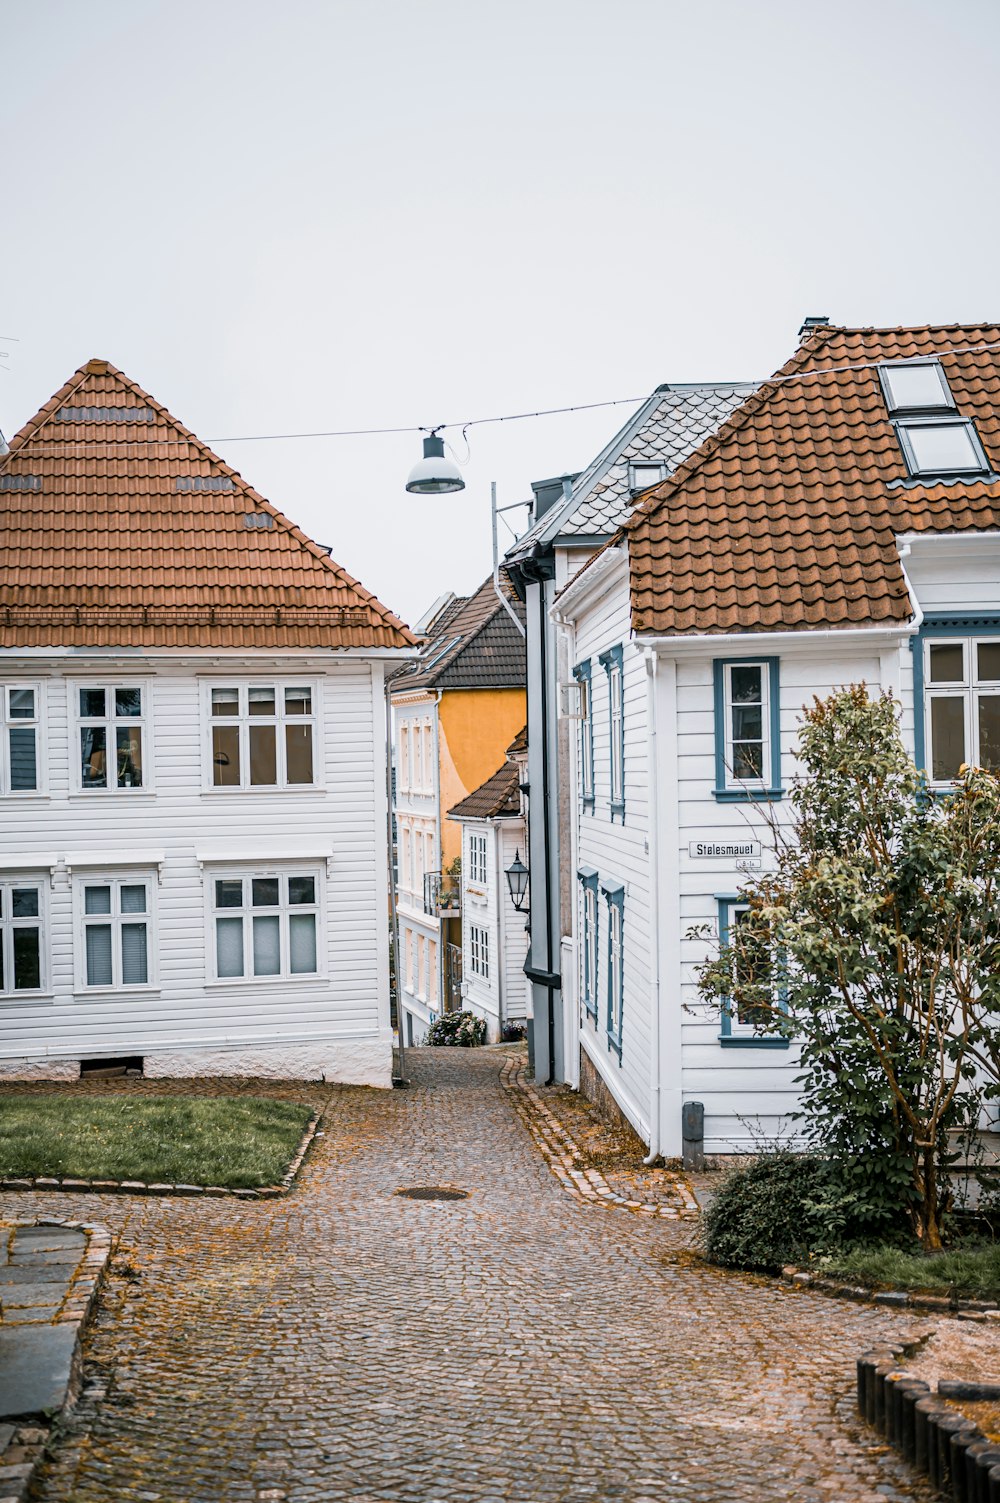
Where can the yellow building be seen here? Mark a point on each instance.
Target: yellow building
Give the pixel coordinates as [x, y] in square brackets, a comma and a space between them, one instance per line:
[455, 712]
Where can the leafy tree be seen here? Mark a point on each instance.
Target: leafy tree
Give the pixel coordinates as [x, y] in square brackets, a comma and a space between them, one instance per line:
[876, 943]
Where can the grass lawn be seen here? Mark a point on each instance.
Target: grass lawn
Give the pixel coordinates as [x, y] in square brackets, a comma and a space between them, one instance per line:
[972, 1272]
[236, 1142]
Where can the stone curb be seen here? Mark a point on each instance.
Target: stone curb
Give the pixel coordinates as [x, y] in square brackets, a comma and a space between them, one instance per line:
[140, 1187]
[566, 1160]
[23, 1450]
[982, 1311]
[935, 1438]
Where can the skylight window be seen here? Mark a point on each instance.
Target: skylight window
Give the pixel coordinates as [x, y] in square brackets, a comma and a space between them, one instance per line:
[942, 448]
[642, 475]
[917, 386]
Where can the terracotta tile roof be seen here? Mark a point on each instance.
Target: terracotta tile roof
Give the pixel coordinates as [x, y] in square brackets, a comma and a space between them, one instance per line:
[118, 527]
[519, 745]
[478, 647]
[787, 517]
[497, 797]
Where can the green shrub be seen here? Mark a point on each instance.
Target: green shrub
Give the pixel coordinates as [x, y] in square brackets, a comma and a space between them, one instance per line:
[762, 1216]
[461, 1029]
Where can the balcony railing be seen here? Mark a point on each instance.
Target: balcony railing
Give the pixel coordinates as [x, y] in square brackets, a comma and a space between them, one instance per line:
[442, 894]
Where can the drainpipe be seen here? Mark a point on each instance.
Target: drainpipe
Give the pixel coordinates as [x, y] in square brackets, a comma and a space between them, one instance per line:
[652, 663]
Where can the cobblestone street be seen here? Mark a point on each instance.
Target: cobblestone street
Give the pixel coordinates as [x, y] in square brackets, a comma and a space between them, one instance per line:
[517, 1345]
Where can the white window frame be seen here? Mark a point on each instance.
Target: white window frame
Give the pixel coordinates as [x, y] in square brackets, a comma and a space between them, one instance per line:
[111, 722]
[8, 924]
[764, 779]
[970, 690]
[9, 723]
[478, 859]
[479, 951]
[244, 720]
[283, 909]
[116, 879]
[404, 757]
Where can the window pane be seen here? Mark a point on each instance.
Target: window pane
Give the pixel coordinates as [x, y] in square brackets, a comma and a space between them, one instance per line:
[262, 700]
[92, 703]
[748, 759]
[299, 753]
[98, 955]
[129, 743]
[225, 701]
[746, 685]
[989, 730]
[226, 756]
[229, 893]
[97, 900]
[27, 960]
[22, 704]
[265, 892]
[266, 947]
[947, 663]
[941, 448]
[23, 762]
[229, 946]
[133, 898]
[134, 971]
[748, 723]
[302, 942]
[298, 701]
[302, 889]
[947, 737]
[128, 701]
[263, 755]
[25, 902]
[93, 766]
[915, 386]
[988, 662]
[645, 474]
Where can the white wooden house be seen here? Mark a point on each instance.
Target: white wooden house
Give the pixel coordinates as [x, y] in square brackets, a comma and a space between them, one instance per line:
[193, 803]
[494, 930]
[573, 516]
[842, 526]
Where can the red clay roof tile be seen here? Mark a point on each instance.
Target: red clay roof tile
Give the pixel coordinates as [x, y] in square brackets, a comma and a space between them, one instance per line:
[110, 551]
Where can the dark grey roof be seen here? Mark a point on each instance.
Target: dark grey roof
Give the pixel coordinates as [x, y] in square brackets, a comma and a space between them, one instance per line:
[500, 795]
[669, 426]
[475, 647]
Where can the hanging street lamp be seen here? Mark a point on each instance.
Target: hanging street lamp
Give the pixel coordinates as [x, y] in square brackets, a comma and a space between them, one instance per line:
[517, 881]
[434, 475]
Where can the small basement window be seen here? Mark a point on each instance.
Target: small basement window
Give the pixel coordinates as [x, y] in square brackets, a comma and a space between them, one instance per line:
[945, 447]
[915, 386]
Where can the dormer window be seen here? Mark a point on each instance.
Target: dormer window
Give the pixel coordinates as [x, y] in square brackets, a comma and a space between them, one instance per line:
[916, 386]
[643, 474]
[941, 447]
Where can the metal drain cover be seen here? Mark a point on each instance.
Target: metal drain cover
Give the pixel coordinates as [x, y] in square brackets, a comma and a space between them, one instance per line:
[432, 1192]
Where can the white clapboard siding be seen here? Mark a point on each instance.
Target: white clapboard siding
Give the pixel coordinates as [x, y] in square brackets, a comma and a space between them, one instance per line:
[481, 994]
[618, 852]
[511, 836]
[335, 830]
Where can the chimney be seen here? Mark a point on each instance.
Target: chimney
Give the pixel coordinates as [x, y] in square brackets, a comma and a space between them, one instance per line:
[810, 322]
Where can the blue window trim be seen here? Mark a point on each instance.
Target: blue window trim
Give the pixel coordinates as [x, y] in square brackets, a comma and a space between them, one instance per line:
[588, 881]
[727, 1038]
[582, 675]
[985, 624]
[615, 658]
[614, 893]
[727, 795]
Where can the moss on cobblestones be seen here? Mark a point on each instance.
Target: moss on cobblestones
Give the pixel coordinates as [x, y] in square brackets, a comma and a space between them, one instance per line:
[234, 1142]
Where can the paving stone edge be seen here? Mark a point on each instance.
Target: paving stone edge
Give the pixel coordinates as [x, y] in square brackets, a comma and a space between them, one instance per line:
[565, 1158]
[29, 1440]
[894, 1299]
[141, 1187]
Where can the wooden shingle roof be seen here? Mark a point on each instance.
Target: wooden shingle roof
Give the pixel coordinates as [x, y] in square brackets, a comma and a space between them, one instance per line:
[119, 527]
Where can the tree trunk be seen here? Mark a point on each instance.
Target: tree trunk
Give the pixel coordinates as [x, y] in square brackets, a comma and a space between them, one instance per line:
[930, 1231]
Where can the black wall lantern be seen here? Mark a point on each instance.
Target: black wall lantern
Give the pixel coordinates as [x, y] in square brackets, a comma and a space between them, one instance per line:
[517, 881]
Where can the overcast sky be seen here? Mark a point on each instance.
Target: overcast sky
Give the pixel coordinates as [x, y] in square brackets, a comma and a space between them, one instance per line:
[350, 214]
